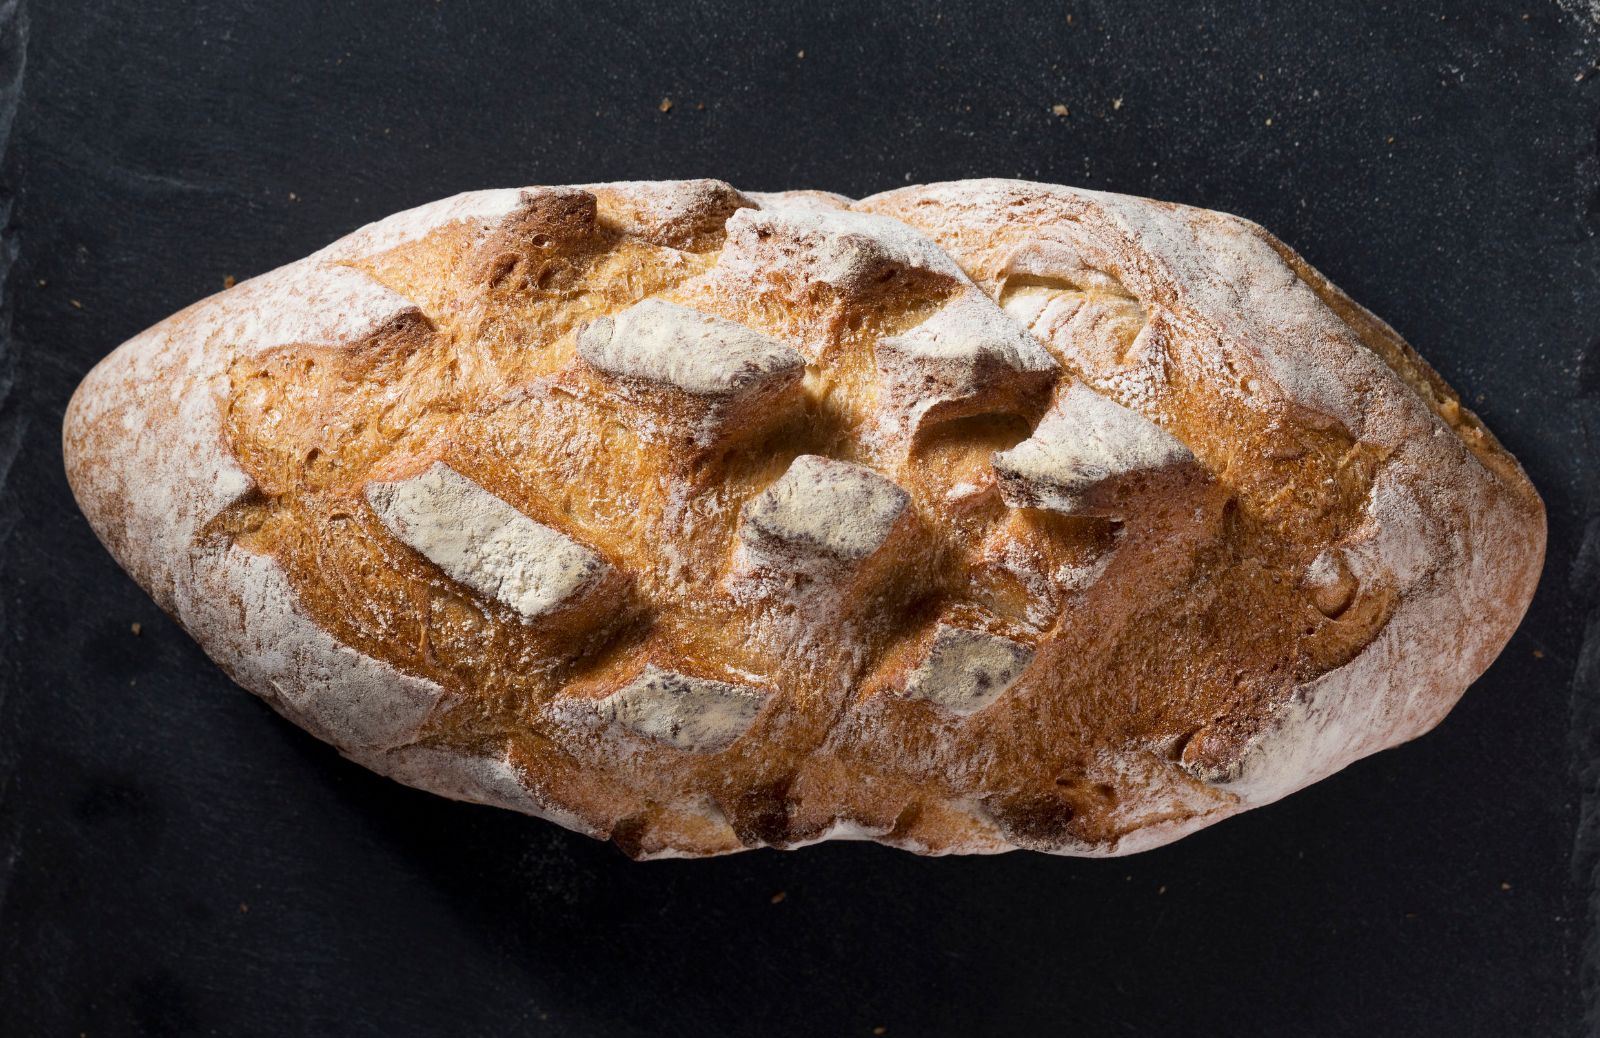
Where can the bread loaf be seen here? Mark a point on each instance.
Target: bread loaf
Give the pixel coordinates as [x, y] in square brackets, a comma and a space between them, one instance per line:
[965, 517]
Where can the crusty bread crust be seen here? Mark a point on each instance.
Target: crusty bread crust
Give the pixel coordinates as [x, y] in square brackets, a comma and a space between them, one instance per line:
[965, 517]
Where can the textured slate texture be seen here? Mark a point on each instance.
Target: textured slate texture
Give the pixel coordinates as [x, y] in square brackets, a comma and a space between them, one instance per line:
[174, 859]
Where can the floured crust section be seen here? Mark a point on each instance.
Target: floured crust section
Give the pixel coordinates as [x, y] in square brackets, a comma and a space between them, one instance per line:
[696, 715]
[858, 256]
[482, 542]
[1082, 454]
[822, 509]
[967, 670]
[964, 518]
[697, 353]
[697, 376]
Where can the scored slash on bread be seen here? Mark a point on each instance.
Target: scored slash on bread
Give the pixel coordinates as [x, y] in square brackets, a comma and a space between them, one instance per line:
[966, 670]
[824, 511]
[966, 359]
[482, 542]
[1085, 456]
[966, 517]
[698, 715]
[729, 377]
[856, 257]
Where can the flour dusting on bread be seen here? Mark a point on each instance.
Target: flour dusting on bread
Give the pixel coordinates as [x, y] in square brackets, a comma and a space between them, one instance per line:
[484, 543]
[698, 715]
[700, 354]
[966, 517]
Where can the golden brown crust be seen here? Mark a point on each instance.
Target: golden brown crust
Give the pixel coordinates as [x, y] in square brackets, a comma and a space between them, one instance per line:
[1091, 520]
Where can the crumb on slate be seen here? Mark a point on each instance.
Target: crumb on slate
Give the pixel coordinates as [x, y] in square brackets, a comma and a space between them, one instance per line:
[1059, 109]
[666, 104]
[779, 896]
[136, 627]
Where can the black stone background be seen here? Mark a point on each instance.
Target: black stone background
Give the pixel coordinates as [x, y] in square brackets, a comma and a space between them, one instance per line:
[175, 859]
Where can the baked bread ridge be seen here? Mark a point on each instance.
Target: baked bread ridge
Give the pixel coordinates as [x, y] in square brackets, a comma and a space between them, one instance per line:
[1231, 385]
[1267, 310]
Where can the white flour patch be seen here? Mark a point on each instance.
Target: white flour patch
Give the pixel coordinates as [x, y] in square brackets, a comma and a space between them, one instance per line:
[824, 507]
[967, 670]
[1084, 440]
[696, 715]
[698, 353]
[484, 543]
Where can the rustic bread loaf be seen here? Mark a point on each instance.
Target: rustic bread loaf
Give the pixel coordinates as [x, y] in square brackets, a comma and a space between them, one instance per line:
[965, 517]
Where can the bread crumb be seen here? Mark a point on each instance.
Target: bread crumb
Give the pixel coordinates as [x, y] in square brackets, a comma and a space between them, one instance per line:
[75, 304]
[293, 197]
[1269, 122]
[666, 104]
[1059, 109]
[1505, 886]
[244, 909]
[135, 627]
[880, 1030]
[699, 106]
[779, 896]
[228, 282]
[40, 283]
[800, 55]
[1161, 889]
[1538, 654]
[1116, 103]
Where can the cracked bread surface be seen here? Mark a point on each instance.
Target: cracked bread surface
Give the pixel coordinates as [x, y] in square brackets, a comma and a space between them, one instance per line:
[965, 517]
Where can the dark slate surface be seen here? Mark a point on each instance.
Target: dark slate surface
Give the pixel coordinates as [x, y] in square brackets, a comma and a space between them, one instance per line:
[174, 859]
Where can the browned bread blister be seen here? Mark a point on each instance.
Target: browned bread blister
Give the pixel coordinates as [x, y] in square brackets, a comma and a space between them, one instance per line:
[965, 517]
